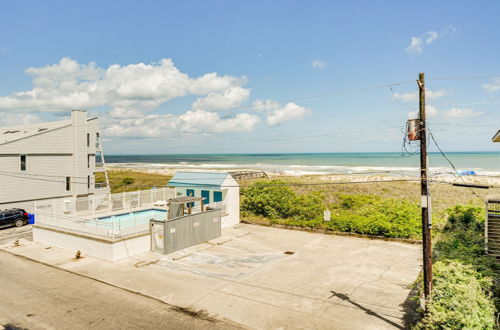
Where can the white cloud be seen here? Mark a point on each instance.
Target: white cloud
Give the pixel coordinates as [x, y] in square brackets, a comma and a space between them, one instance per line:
[265, 105]
[451, 114]
[150, 126]
[126, 89]
[318, 64]
[433, 35]
[210, 122]
[457, 113]
[429, 94]
[493, 87]
[8, 118]
[125, 98]
[405, 97]
[230, 98]
[191, 122]
[430, 110]
[417, 44]
[278, 114]
[290, 112]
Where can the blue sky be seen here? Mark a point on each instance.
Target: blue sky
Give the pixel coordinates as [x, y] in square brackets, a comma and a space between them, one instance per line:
[228, 76]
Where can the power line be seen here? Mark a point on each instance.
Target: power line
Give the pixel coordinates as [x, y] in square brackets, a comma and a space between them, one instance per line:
[465, 77]
[453, 166]
[260, 185]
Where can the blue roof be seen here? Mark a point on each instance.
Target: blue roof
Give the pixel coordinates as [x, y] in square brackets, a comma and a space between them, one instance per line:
[194, 179]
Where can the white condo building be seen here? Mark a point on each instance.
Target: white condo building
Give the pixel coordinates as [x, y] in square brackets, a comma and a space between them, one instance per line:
[51, 160]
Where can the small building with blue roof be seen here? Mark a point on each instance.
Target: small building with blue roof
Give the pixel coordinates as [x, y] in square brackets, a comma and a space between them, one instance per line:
[219, 190]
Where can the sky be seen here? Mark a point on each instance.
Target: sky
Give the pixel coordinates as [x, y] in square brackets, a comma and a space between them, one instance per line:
[254, 76]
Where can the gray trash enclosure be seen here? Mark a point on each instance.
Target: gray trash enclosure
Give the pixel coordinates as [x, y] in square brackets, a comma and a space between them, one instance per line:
[175, 234]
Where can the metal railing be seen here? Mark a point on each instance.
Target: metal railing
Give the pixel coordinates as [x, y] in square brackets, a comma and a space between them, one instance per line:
[99, 185]
[208, 207]
[108, 229]
[106, 203]
[81, 215]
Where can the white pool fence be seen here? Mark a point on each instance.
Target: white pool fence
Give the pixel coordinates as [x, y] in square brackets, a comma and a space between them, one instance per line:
[106, 203]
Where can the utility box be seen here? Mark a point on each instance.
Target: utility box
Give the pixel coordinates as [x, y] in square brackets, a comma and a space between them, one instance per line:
[413, 129]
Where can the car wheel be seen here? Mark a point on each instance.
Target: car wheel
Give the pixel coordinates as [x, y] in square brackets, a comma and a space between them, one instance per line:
[19, 223]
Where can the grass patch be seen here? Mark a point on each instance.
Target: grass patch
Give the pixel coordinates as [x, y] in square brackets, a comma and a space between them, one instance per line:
[127, 180]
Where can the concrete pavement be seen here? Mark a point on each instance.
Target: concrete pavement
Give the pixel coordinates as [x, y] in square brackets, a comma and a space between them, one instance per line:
[267, 278]
[36, 296]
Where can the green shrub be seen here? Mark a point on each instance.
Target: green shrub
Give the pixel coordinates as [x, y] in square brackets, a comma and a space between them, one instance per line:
[462, 295]
[375, 215]
[363, 214]
[460, 299]
[127, 181]
[273, 200]
[465, 217]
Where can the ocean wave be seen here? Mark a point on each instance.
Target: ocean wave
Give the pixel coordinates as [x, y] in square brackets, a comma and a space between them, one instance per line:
[299, 170]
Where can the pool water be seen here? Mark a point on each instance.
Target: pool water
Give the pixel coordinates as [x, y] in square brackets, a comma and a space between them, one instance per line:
[138, 216]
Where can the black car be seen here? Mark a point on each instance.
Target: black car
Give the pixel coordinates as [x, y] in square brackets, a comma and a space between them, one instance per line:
[13, 217]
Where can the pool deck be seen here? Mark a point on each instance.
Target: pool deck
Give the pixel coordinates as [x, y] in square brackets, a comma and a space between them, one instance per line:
[265, 278]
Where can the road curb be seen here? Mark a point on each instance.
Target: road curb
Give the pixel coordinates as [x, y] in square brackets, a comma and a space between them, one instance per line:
[336, 233]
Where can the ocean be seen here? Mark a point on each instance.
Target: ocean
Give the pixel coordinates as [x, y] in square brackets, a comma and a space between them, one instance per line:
[483, 163]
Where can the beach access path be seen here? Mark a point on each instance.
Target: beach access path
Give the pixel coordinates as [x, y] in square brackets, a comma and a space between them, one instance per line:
[261, 278]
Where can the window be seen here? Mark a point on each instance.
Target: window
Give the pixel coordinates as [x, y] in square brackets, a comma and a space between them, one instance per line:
[206, 195]
[68, 183]
[97, 140]
[217, 196]
[88, 181]
[88, 139]
[23, 162]
[88, 161]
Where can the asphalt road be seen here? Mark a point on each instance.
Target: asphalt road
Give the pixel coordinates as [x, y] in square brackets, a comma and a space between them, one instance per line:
[12, 233]
[35, 296]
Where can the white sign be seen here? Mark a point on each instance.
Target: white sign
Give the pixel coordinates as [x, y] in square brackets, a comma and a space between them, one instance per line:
[326, 215]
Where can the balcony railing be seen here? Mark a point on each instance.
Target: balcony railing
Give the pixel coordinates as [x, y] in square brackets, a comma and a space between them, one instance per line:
[99, 185]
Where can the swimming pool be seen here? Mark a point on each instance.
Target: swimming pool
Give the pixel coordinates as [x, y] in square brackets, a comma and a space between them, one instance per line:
[137, 216]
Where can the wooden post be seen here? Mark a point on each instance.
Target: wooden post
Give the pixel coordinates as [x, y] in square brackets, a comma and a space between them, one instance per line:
[425, 193]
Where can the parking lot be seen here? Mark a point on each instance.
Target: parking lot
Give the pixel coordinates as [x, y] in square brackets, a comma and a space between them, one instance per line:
[267, 278]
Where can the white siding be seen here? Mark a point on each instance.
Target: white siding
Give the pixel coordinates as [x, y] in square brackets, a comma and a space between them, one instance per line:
[58, 140]
[232, 199]
[51, 156]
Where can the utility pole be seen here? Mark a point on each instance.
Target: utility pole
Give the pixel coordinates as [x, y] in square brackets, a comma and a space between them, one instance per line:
[425, 192]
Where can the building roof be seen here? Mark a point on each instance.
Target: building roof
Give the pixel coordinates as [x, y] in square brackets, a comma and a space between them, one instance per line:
[496, 138]
[13, 133]
[211, 180]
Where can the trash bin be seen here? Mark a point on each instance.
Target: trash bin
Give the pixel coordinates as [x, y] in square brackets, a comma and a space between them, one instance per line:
[31, 218]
